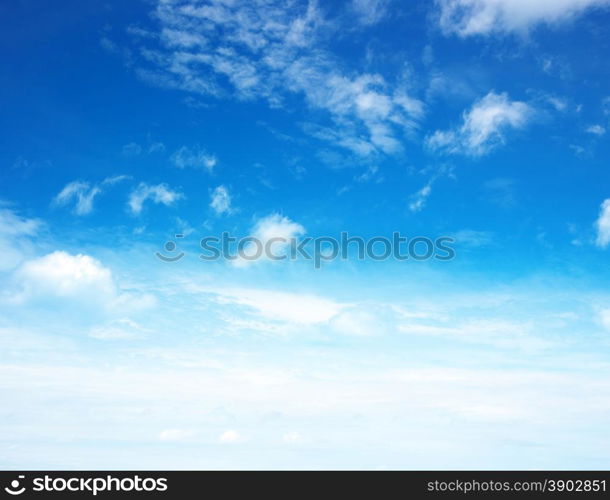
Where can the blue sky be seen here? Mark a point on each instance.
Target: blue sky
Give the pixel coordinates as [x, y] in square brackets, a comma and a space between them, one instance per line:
[126, 124]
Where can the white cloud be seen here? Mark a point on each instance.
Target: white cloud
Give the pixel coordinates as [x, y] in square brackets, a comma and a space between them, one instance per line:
[596, 130]
[273, 49]
[484, 126]
[83, 194]
[132, 149]
[13, 225]
[156, 147]
[74, 278]
[603, 316]
[175, 435]
[356, 322]
[229, 436]
[110, 181]
[135, 149]
[159, 193]
[496, 332]
[221, 200]
[285, 307]
[193, 158]
[273, 231]
[602, 224]
[418, 200]
[120, 329]
[15, 234]
[371, 174]
[276, 226]
[578, 150]
[65, 275]
[481, 17]
[472, 238]
[370, 11]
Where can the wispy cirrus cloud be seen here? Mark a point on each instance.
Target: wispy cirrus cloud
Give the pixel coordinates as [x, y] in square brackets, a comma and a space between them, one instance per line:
[83, 194]
[159, 194]
[271, 50]
[15, 234]
[280, 306]
[193, 158]
[482, 17]
[602, 225]
[417, 200]
[484, 126]
[370, 11]
[132, 149]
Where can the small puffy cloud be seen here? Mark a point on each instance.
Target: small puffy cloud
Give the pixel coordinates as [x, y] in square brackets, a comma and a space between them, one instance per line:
[277, 226]
[229, 437]
[275, 231]
[172, 435]
[596, 130]
[73, 278]
[159, 194]
[557, 103]
[221, 200]
[64, 275]
[484, 126]
[602, 225]
[482, 17]
[193, 158]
